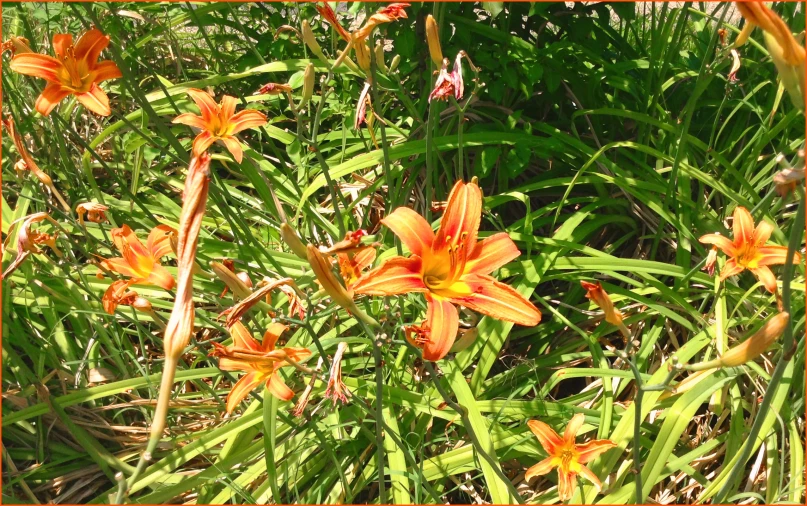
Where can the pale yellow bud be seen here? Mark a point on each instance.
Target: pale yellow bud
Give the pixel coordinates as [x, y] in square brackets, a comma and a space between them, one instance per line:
[751, 348]
[231, 279]
[308, 84]
[290, 237]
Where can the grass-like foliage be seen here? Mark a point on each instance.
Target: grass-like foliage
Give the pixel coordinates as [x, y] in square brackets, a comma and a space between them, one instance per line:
[392, 253]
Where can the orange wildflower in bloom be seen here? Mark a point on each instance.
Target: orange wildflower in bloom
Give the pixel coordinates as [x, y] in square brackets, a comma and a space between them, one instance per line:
[142, 263]
[600, 297]
[261, 362]
[388, 14]
[758, 14]
[450, 267]
[748, 249]
[95, 212]
[219, 122]
[75, 71]
[566, 455]
[119, 293]
[330, 16]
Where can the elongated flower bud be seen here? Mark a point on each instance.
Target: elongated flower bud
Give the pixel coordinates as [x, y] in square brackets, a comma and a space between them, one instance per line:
[751, 348]
[311, 41]
[601, 298]
[322, 269]
[290, 237]
[231, 279]
[362, 54]
[379, 58]
[394, 63]
[308, 84]
[433, 38]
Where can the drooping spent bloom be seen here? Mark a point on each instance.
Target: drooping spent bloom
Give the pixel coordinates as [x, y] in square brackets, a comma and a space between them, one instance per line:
[16, 45]
[566, 455]
[27, 162]
[261, 362]
[361, 106]
[388, 14]
[119, 293]
[74, 71]
[96, 213]
[219, 123]
[142, 263]
[336, 389]
[748, 250]
[29, 241]
[450, 267]
[735, 66]
[449, 83]
[595, 293]
[711, 260]
[330, 16]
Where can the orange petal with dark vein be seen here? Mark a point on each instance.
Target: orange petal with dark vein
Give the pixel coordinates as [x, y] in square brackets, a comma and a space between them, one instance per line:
[593, 449]
[50, 98]
[242, 338]
[546, 435]
[396, 276]
[498, 300]
[460, 223]
[412, 229]
[743, 226]
[725, 244]
[442, 320]
[491, 253]
[95, 100]
[242, 388]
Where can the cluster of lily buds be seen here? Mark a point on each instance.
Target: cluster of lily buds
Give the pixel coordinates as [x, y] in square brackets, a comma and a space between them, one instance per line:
[27, 162]
[96, 213]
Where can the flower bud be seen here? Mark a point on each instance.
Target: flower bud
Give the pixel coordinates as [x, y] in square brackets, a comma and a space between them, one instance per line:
[433, 38]
[362, 54]
[394, 63]
[379, 58]
[322, 269]
[290, 237]
[308, 85]
[751, 348]
[601, 298]
[231, 279]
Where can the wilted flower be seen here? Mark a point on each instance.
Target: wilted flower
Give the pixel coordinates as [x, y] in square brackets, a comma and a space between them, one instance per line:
[239, 283]
[336, 389]
[142, 263]
[786, 180]
[274, 89]
[735, 66]
[450, 268]
[261, 362]
[119, 293]
[96, 213]
[449, 83]
[75, 71]
[566, 455]
[711, 259]
[29, 241]
[748, 249]
[361, 106]
[219, 122]
[330, 16]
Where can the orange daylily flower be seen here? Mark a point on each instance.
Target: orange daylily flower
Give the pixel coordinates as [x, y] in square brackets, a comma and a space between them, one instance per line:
[75, 71]
[219, 122]
[600, 297]
[566, 455]
[261, 362]
[142, 263]
[388, 14]
[450, 267]
[330, 16]
[119, 293]
[748, 249]
[758, 14]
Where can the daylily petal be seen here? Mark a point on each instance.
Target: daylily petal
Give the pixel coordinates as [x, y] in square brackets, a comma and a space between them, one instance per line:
[246, 119]
[242, 338]
[95, 100]
[296, 354]
[121, 266]
[227, 107]
[460, 223]
[234, 147]
[191, 120]
[364, 258]
[772, 255]
[397, 275]
[412, 229]
[37, 65]
[539, 469]
[766, 277]
[242, 388]
[90, 45]
[159, 241]
[278, 388]
[573, 427]
[566, 482]
[125, 239]
[496, 299]
[161, 277]
[272, 334]
[546, 435]
[743, 227]
[61, 41]
[762, 233]
[731, 268]
[205, 103]
[442, 319]
[725, 244]
[202, 142]
[593, 449]
[50, 98]
[590, 476]
[491, 253]
[106, 70]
